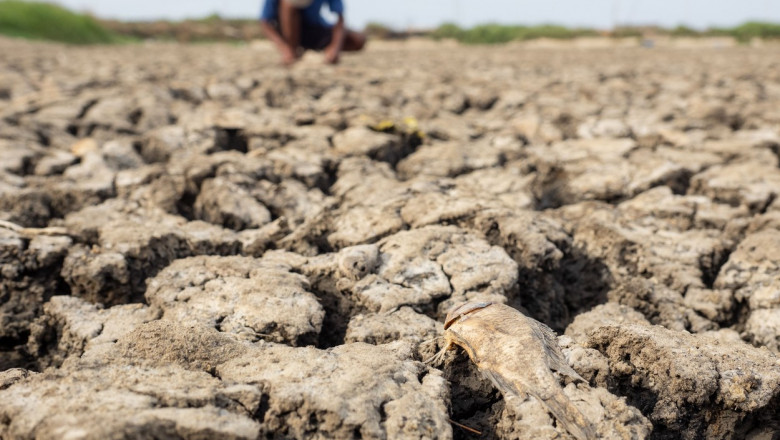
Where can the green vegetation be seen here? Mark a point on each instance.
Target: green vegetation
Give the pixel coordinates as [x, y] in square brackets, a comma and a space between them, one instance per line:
[627, 32]
[496, 33]
[448, 30]
[683, 31]
[748, 31]
[50, 22]
[213, 18]
[216, 19]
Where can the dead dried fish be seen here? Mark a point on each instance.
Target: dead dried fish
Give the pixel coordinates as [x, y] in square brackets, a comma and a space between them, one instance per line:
[518, 354]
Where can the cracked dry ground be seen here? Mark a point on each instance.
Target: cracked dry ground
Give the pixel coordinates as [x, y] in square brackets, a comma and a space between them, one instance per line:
[235, 250]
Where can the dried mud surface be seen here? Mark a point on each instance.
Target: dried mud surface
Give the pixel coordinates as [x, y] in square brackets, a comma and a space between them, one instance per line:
[201, 244]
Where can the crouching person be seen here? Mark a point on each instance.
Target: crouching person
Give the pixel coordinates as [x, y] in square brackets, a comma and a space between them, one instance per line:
[298, 25]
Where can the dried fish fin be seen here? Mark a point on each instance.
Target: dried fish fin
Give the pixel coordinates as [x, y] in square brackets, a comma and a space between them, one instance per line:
[569, 416]
[555, 359]
[437, 359]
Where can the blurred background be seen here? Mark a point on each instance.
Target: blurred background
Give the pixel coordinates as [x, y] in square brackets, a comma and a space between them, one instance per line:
[471, 21]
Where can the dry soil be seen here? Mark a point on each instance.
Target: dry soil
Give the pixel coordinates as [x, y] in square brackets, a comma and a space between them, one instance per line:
[199, 243]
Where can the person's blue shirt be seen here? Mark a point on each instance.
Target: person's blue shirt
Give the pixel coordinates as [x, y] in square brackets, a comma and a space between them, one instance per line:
[311, 14]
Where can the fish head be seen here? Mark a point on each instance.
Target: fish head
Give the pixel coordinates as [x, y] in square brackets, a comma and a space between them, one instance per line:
[462, 311]
[455, 334]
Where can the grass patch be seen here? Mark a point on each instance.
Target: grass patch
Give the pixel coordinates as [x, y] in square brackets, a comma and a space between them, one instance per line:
[751, 30]
[684, 31]
[44, 21]
[497, 34]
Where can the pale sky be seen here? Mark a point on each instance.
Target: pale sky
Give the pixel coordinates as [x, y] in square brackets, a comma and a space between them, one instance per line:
[403, 14]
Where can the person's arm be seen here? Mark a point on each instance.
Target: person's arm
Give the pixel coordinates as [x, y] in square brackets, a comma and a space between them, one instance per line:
[333, 51]
[288, 53]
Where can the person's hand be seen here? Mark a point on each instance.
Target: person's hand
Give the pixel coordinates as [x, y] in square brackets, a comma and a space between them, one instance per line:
[288, 56]
[332, 55]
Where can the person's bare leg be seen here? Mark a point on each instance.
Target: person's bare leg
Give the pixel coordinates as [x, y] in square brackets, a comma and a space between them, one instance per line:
[290, 24]
[354, 41]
